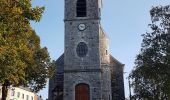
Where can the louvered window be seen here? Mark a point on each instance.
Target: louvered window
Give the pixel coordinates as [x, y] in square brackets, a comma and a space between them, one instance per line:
[81, 8]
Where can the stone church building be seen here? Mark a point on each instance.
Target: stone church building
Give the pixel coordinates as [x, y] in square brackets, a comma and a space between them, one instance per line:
[86, 70]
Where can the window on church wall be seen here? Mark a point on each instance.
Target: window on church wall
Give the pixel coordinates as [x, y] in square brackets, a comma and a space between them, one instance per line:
[106, 52]
[81, 8]
[82, 49]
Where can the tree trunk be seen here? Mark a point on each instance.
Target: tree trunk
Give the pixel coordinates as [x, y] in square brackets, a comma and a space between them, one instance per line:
[4, 92]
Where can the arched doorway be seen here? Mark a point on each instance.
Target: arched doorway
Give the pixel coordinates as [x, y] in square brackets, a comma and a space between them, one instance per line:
[82, 92]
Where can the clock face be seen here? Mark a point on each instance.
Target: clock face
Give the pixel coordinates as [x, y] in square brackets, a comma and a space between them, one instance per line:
[82, 27]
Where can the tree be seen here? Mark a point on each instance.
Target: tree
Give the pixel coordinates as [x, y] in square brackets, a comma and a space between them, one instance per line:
[22, 60]
[151, 74]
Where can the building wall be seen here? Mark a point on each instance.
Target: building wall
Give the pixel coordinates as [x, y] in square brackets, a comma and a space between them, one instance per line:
[92, 69]
[93, 11]
[73, 36]
[56, 82]
[82, 69]
[117, 82]
[90, 78]
[105, 62]
[15, 93]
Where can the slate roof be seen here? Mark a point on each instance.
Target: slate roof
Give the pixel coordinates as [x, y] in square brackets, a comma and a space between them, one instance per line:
[114, 60]
[60, 60]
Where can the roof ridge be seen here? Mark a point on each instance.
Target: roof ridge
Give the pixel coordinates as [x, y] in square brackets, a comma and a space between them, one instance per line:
[116, 60]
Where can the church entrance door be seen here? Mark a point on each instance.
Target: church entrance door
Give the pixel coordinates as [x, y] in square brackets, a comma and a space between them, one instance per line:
[82, 92]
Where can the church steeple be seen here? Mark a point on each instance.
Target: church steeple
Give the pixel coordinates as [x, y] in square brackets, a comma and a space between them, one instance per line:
[82, 65]
[82, 9]
[84, 71]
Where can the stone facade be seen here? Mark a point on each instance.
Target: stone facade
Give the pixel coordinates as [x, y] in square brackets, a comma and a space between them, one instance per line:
[117, 82]
[91, 63]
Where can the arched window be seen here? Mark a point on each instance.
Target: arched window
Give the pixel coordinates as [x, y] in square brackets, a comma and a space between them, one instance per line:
[82, 92]
[81, 8]
[82, 49]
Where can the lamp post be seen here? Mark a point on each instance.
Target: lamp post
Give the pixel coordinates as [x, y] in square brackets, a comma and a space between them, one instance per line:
[130, 95]
[5, 89]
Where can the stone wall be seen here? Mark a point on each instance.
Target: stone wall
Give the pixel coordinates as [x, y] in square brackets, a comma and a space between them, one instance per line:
[56, 82]
[117, 80]
[90, 78]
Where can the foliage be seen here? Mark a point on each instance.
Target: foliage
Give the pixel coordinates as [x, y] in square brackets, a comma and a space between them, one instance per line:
[151, 74]
[22, 60]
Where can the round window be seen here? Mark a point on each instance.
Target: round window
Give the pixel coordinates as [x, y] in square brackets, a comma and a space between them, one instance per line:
[82, 49]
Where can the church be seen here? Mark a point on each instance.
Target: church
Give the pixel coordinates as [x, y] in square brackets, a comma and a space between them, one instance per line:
[86, 70]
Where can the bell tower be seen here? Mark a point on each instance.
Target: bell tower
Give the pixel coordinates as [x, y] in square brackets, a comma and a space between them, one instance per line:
[82, 55]
[82, 9]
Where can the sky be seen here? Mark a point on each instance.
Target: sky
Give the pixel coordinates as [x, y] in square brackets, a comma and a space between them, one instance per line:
[123, 20]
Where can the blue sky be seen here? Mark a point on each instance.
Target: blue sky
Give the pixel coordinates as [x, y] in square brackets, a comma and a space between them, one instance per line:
[123, 20]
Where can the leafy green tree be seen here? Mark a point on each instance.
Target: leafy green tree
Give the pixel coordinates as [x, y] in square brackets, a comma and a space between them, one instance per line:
[151, 74]
[22, 60]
